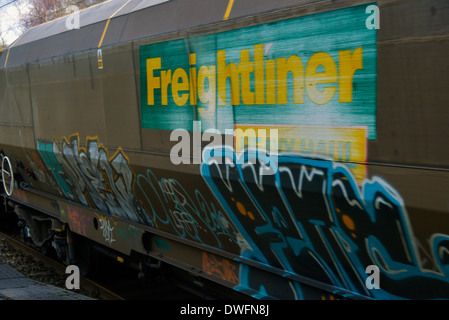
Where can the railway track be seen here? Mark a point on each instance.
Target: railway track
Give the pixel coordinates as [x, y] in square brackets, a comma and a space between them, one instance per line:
[89, 287]
[116, 281]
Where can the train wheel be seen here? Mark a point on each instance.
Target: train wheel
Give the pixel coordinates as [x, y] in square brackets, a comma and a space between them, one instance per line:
[7, 176]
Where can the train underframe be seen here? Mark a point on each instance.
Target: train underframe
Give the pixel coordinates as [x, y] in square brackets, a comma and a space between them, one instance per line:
[205, 272]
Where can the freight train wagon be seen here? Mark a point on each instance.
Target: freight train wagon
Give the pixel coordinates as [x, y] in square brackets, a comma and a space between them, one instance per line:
[292, 149]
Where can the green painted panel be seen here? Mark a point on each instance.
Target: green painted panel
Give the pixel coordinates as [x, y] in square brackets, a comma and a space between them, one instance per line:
[312, 70]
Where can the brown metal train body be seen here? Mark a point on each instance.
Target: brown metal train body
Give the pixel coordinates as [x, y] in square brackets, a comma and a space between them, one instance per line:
[101, 124]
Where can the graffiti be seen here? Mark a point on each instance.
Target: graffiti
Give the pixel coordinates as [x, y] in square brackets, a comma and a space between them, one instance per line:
[221, 267]
[107, 229]
[78, 222]
[89, 176]
[39, 170]
[46, 151]
[317, 222]
[172, 209]
[312, 219]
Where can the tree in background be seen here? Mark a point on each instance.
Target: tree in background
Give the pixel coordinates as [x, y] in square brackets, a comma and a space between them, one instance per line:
[42, 11]
[10, 26]
[16, 16]
[2, 43]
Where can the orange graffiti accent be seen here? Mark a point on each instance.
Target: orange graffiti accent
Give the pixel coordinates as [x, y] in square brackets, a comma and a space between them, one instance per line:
[330, 297]
[349, 223]
[78, 221]
[221, 267]
[242, 210]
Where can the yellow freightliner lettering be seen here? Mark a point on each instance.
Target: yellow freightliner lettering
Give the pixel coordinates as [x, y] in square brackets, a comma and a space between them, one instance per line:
[255, 81]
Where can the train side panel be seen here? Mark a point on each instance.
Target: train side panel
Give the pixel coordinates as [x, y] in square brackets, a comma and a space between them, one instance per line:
[352, 117]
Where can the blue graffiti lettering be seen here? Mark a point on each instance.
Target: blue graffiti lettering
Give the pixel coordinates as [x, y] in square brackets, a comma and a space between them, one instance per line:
[312, 219]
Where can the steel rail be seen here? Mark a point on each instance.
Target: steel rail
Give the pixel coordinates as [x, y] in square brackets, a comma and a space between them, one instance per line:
[92, 287]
